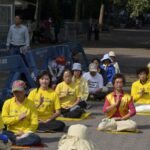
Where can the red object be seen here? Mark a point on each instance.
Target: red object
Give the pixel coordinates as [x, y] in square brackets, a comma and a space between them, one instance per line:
[60, 60]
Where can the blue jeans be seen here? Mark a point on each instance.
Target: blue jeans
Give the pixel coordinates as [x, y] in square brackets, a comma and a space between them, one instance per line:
[31, 140]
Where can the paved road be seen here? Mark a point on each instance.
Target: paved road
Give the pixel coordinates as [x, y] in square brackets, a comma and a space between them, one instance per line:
[107, 141]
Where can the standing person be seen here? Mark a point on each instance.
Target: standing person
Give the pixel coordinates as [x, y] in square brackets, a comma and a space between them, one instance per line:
[70, 97]
[47, 104]
[18, 37]
[141, 90]
[20, 116]
[95, 82]
[81, 82]
[119, 108]
[112, 55]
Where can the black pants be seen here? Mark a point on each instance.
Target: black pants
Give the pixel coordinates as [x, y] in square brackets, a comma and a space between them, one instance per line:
[76, 113]
[31, 140]
[53, 125]
[97, 96]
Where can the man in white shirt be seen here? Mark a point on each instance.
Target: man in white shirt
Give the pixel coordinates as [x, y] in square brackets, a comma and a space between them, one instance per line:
[95, 82]
[18, 37]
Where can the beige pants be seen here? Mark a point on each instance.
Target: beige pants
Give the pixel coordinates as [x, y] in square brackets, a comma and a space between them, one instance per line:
[126, 125]
[112, 125]
[4, 146]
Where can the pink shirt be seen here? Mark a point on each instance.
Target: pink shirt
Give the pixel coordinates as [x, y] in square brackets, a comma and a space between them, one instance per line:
[131, 107]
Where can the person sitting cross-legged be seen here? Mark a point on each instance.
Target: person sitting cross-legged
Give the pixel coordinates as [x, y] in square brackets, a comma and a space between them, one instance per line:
[119, 108]
[81, 82]
[47, 104]
[20, 116]
[70, 97]
[97, 91]
[141, 91]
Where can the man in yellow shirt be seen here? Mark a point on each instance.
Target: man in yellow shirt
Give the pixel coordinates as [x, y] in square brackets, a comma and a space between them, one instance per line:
[141, 90]
[69, 96]
[20, 116]
[47, 104]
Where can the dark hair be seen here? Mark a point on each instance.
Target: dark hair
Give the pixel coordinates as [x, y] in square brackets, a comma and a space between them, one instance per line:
[143, 69]
[41, 74]
[68, 70]
[20, 16]
[119, 76]
[96, 59]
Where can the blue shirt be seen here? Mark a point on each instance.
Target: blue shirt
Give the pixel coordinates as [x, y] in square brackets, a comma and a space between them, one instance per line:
[18, 35]
[110, 72]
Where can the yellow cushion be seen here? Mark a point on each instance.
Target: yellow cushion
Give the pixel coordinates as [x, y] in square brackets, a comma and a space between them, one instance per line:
[84, 116]
[143, 113]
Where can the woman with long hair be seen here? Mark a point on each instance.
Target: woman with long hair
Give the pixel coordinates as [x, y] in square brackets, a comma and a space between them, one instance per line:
[47, 104]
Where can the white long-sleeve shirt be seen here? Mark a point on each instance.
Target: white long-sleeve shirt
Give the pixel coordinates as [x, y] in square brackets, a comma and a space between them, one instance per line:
[18, 35]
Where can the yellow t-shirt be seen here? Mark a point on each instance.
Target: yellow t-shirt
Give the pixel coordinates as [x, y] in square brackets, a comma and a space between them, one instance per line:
[1, 123]
[135, 92]
[73, 93]
[83, 87]
[50, 103]
[11, 112]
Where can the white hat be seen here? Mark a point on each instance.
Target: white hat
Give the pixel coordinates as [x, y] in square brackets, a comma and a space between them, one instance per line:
[78, 130]
[111, 53]
[93, 67]
[76, 66]
[105, 57]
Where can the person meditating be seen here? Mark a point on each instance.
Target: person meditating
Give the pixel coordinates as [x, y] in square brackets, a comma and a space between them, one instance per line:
[70, 97]
[119, 108]
[20, 116]
[47, 104]
[141, 90]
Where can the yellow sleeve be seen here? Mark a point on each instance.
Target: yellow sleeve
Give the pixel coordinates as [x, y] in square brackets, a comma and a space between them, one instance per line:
[78, 92]
[33, 119]
[57, 90]
[6, 116]
[134, 93]
[31, 95]
[57, 102]
[85, 92]
[1, 123]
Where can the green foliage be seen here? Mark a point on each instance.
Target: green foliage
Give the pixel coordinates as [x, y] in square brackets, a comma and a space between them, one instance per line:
[134, 7]
[137, 7]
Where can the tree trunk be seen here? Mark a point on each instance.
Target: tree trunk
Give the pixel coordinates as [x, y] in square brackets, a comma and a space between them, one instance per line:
[101, 15]
[77, 10]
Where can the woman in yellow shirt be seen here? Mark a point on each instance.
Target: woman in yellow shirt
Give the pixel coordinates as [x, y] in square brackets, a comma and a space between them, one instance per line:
[47, 104]
[70, 97]
[81, 82]
[141, 91]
